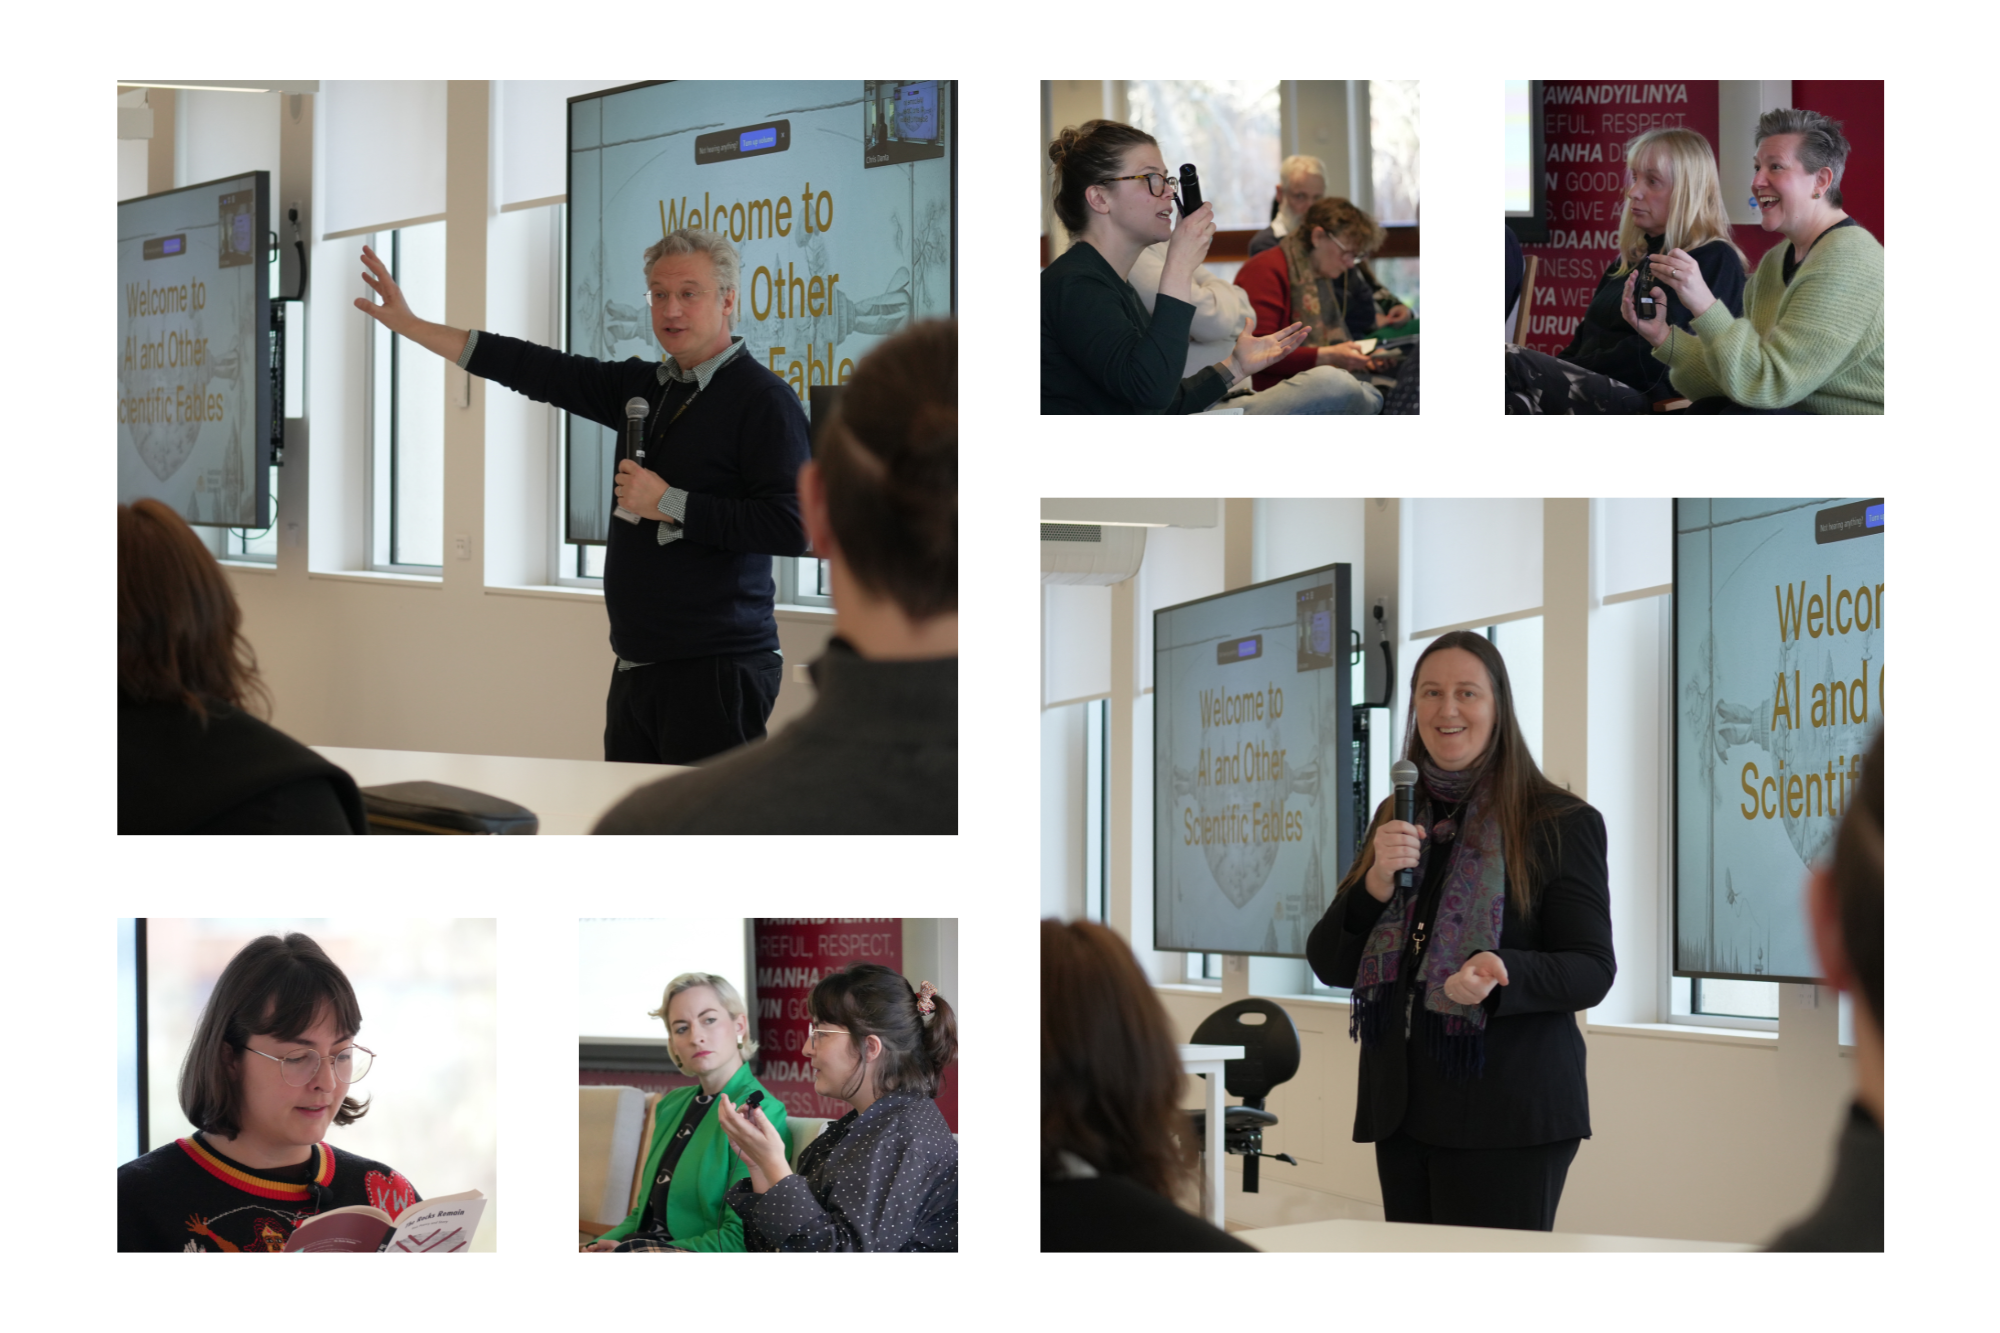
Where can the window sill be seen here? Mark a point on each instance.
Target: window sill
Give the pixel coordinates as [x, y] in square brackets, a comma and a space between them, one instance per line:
[379, 577]
[805, 615]
[555, 592]
[1188, 987]
[248, 566]
[1688, 1032]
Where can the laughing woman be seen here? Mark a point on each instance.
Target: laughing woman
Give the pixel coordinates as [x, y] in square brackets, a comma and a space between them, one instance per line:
[269, 1069]
[1101, 351]
[690, 1167]
[1811, 338]
[885, 1175]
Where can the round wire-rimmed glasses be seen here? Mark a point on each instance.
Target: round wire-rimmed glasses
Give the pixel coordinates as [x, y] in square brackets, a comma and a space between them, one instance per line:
[814, 1033]
[350, 1065]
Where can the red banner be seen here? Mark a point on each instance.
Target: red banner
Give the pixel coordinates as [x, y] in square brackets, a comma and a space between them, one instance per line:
[793, 953]
[1585, 127]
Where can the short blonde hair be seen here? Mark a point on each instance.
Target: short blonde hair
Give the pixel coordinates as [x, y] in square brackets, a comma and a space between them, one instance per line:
[731, 1002]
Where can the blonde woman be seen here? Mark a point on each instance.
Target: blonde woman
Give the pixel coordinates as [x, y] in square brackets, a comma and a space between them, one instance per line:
[1673, 206]
[688, 1165]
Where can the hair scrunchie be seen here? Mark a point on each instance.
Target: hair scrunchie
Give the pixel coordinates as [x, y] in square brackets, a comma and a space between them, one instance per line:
[924, 1002]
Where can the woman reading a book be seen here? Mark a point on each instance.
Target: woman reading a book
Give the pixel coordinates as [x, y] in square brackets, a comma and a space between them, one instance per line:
[885, 1175]
[689, 1166]
[270, 1067]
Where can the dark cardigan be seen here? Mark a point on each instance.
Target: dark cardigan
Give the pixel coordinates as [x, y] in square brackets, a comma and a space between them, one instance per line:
[1101, 351]
[1605, 343]
[1558, 961]
[234, 775]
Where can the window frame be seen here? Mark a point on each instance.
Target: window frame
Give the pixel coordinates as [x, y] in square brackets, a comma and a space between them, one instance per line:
[373, 454]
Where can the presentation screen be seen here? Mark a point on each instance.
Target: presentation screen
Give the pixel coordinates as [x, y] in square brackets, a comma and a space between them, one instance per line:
[1253, 759]
[1777, 692]
[1527, 211]
[840, 200]
[194, 326]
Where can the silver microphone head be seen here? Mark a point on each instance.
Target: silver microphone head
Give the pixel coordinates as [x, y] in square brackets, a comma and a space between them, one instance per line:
[636, 409]
[1403, 773]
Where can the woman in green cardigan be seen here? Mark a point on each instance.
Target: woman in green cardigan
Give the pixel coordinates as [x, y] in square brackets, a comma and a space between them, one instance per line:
[689, 1166]
[1810, 340]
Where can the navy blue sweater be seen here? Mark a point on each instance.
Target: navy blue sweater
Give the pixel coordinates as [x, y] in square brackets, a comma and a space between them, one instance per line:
[736, 451]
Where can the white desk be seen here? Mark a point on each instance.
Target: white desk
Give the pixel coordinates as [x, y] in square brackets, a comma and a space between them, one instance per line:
[1355, 1236]
[567, 795]
[1208, 1060]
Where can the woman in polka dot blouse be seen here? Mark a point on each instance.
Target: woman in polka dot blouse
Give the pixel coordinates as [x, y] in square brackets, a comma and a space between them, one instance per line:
[885, 1175]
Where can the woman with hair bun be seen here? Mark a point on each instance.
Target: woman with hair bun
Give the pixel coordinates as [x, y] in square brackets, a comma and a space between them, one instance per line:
[885, 1175]
[1101, 351]
[878, 752]
[689, 1166]
[1466, 981]
[1673, 206]
[192, 756]
[1812, 339]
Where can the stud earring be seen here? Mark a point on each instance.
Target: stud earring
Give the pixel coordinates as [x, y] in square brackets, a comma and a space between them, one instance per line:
[1815, 194]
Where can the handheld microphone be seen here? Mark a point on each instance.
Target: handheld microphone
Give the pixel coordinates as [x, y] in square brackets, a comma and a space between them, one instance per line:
[1190, 189]
[1404, 774]
[635, 444]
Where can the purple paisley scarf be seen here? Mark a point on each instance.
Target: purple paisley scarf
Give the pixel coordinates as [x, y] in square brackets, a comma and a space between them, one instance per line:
[1470, 904]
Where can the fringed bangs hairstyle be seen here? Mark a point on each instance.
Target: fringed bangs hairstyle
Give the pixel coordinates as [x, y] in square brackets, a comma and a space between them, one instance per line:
[732, 1004]
[889, 455]
[1527, 803]
[870, 1000]
[1695, 214]
[1111, 1078]
[179, 629]
[1857, 879]
[272, 987]
[1085, 156]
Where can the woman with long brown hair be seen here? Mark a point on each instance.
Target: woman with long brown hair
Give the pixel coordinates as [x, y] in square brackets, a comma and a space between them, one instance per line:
[1117, 1150]
[192, 758]
[1466, 980]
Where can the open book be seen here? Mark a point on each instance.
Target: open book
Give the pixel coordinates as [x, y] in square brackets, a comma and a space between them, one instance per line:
[434, 1226]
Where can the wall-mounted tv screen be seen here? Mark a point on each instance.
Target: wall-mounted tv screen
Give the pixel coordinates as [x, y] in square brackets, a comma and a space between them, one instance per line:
[838, 196]
[194, 323]
[1253, 763]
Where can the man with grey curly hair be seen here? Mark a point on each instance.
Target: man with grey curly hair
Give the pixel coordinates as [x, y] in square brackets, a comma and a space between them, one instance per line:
[687, 578]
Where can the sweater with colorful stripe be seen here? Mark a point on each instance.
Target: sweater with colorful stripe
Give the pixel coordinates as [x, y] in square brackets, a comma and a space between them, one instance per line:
[185, 1196]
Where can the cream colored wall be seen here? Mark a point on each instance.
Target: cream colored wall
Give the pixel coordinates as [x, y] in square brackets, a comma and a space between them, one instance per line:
[452, 663]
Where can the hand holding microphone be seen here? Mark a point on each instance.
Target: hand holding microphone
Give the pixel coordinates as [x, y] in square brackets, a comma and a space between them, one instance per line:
[636, 410]
[1398, 841]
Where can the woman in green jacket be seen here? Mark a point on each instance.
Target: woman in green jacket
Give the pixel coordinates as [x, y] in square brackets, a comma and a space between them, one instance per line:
[689, 1166]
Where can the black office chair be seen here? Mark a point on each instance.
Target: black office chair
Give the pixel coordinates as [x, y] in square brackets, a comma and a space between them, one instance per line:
[1270, 1042]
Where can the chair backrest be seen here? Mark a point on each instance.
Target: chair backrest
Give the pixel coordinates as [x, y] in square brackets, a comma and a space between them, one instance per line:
[1525, 309]
[611, 1123]
[802, 1129]
[1270, 1042]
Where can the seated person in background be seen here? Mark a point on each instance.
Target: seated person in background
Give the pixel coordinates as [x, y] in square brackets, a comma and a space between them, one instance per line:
[191, 758]
[689, 1166]
[885, 1175]
[1673, 216]
[1222, 313]
[1314, 277]
[878, 751]
[1844, 900]
[1102, 351]
[1118, 1153]
[1301, 184]
[1813, 341]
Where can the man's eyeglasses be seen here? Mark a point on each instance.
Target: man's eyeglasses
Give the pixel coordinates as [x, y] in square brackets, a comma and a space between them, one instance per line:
[349, 1065]
[686, 296]
[1155, 182]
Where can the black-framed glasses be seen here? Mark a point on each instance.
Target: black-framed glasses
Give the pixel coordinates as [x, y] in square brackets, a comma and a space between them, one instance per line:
[350, 1065]
[1155, 182]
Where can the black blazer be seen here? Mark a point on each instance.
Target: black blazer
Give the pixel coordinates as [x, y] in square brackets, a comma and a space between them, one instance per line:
[1558, 961]
[1109, 1214]
[235, 775]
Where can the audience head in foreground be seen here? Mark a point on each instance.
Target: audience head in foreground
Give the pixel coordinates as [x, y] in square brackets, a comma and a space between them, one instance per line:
[271, 1067]
[689, 1166]
[1845, 906]
[192, 757]
[878, 752]
[885, 1175]
[1117, 1150]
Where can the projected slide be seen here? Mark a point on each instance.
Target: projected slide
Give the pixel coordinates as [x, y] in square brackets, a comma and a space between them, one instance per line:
[837, 196]
[1252, 737]
[1778, 609]
[193, 312]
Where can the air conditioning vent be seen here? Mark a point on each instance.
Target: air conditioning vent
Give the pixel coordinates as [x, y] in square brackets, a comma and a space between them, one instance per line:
[1072, 532]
